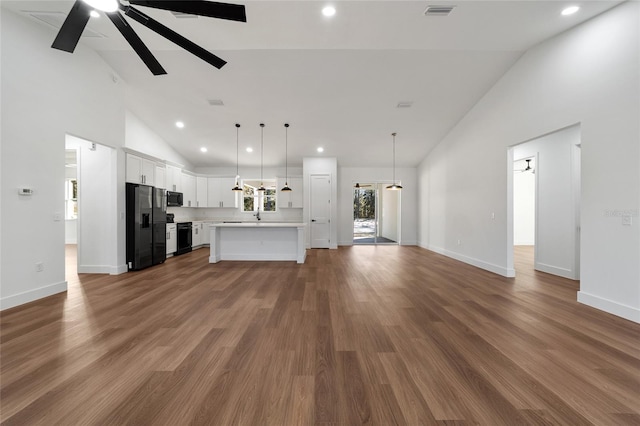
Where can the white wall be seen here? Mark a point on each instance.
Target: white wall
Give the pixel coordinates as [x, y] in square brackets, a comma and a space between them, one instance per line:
[47, 94]
[406, 176]
[139, 137]
[588, 75]
[556, 249]
[524, 204]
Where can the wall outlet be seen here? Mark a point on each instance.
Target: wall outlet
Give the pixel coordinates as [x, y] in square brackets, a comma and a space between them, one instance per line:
[39, 266]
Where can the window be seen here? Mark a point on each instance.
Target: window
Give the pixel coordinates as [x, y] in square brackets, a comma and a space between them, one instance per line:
[252, 198]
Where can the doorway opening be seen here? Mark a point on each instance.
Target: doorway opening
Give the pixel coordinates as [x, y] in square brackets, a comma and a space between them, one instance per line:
[375, 214]
[90, 208]
[544, 202]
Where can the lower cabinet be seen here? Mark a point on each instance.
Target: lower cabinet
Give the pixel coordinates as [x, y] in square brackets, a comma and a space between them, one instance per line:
[172, 238]
[196, 234]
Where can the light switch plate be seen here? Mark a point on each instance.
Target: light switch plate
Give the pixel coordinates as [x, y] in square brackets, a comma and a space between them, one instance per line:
[626, 220]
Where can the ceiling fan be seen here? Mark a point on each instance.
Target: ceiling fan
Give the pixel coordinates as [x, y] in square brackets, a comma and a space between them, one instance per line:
[528, 168]
[77, 19]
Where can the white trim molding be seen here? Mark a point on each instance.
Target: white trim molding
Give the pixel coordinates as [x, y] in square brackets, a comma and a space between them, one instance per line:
[32, 295]
[624, 311]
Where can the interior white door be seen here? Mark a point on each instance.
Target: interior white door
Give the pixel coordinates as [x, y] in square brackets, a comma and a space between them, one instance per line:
[320, 206]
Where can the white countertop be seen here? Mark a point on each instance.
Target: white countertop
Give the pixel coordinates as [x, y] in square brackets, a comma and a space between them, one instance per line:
[259, 224]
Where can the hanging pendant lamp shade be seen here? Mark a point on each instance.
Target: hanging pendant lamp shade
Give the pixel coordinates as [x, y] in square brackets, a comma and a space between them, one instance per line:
[286, 188]
[262, 188]
[237, 187]
[394, 186]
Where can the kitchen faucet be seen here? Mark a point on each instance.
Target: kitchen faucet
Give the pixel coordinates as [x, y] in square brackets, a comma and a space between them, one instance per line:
[257, 215]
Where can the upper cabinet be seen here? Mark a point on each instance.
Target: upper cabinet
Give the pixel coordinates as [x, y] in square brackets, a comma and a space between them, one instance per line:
[174, 179]
[188, 183]
[219, 193]
[201, 192]
[140, 170]
[160, 177]
[290, 199]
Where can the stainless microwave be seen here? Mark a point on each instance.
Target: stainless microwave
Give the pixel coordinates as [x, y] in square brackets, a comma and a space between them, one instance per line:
[174, 199]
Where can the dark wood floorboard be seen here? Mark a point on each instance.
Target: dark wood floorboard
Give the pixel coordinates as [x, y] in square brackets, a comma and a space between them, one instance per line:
[379, 335]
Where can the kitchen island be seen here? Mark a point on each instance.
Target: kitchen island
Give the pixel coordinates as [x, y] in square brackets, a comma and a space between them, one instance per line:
[257, 241]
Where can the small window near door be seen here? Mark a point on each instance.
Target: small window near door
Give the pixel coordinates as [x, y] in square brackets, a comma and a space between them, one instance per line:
[252, 198]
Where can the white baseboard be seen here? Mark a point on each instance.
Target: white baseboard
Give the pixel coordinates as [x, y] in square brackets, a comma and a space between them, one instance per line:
[496, 269]
[409, 243]
[345, 243]
[31, 295]
[624, 311]
[555, 270]
[117, 270]
[94, 269]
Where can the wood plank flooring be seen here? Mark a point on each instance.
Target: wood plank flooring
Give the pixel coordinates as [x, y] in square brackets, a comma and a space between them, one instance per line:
[379, 335]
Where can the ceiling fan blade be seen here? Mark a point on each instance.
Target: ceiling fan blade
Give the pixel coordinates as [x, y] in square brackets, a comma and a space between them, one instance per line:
[71, 30]
[143, 52]
[232, 12]
[173, 36]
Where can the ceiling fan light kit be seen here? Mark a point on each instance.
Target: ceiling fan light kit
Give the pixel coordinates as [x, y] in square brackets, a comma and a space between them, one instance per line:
[394, 186]
[80, 13]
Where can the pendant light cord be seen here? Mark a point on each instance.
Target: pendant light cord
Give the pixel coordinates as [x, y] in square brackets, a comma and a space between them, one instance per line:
[286, 149]
[261, 153]
[237, 152]
[394, 157]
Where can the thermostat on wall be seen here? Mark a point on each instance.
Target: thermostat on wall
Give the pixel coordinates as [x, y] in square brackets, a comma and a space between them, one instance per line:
[25, 191]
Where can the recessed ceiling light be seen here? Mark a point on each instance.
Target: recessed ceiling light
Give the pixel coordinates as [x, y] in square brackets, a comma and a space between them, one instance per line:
[570, 10]
[179, 124]
[329, 11]
[104, 5]
[320, 149]
[249, 149]
[203, 149]
[94, 14]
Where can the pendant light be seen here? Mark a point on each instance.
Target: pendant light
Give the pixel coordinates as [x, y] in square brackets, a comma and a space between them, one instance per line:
[286, 163]
[237, 187]
[262, 188]
[394, 186]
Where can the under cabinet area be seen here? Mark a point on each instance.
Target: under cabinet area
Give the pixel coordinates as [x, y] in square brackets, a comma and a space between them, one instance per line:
[172, 238]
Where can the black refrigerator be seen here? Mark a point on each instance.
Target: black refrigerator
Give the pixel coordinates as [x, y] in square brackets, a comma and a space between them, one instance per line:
[146, 226]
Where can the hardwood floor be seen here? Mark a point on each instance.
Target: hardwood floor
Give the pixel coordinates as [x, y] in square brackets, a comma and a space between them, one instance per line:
[379, 335]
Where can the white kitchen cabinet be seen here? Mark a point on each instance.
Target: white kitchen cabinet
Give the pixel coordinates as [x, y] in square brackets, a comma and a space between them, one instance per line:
[188, 190]
[196, 234]
[219, 193]
[201, 192]
[174, 179]
[140, 170]
[290, 199]
[160, 177]
[172, 238]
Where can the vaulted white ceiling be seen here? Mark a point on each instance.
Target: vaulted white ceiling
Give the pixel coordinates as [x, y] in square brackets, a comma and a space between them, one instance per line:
[337, 80]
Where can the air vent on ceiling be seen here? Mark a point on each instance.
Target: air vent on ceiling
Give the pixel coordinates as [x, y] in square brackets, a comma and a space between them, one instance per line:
[215, 102]
[438, 10]
[404, 104]
[181, 15]
[56, 19]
